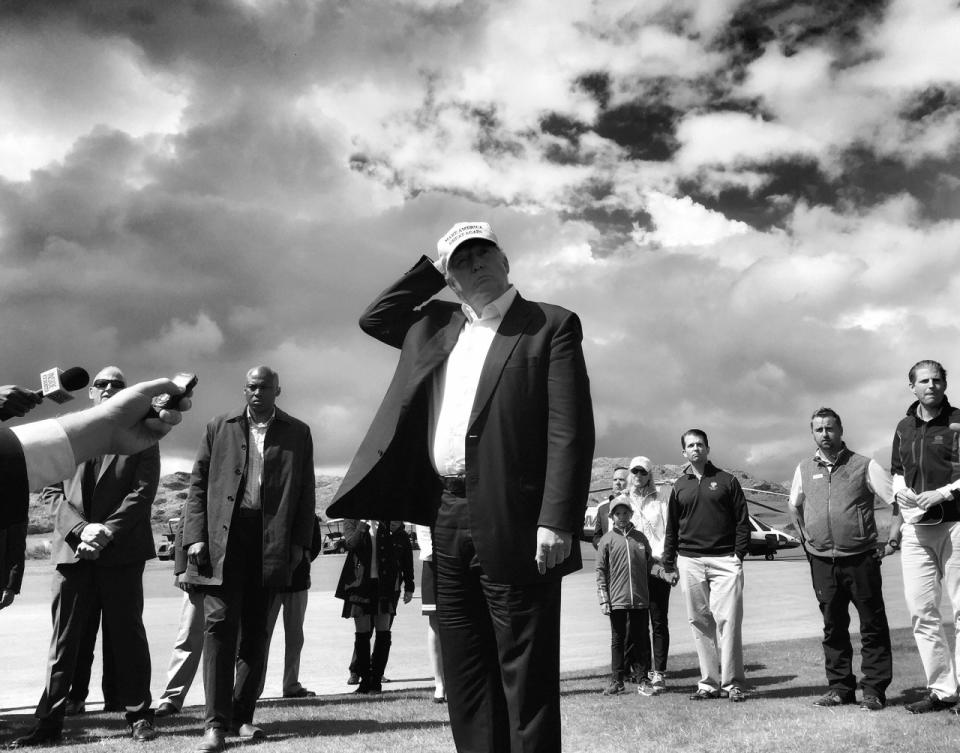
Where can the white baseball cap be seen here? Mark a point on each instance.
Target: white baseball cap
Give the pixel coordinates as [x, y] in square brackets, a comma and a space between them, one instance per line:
[462, 231]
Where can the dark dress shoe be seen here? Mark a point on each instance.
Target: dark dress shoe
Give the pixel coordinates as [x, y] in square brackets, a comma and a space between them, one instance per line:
[212, 741]
[248, 731]
[73, 708]
[302, 693]
[38, 736]
[143, 731]
[166, 709]
[928, 704]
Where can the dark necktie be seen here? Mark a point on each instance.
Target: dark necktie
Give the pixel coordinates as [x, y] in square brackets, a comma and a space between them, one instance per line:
[91, 469]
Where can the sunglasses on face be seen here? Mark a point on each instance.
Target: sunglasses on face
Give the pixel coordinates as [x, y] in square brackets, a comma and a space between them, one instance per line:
[638, 471]
[102, 384]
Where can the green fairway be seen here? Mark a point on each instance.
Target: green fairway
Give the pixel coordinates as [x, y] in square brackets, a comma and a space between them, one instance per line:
[786, 675]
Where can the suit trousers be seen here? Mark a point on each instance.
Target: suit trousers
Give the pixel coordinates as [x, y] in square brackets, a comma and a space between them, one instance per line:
[930, 558]
[838, 582]
[500, 644]
[87, 649]
[294, 605]
[77, 589]
[659, 620]
[235, 633]
[713, 590]
[187, 650]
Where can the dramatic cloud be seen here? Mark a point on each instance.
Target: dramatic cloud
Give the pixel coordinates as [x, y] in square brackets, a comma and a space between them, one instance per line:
[753, 206]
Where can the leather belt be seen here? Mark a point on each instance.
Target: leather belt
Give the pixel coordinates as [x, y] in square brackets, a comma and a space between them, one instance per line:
[455, 485]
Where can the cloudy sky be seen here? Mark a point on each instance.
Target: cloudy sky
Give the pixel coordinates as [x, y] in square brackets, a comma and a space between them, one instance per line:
[753, 206]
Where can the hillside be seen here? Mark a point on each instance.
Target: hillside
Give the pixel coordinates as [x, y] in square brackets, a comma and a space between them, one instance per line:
[173, 492]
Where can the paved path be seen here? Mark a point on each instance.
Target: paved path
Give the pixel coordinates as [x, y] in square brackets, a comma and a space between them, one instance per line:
[779, 604]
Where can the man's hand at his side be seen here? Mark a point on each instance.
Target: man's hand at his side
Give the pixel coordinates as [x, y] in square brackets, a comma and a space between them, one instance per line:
[197, 554]
[296, 555]
[553, 547]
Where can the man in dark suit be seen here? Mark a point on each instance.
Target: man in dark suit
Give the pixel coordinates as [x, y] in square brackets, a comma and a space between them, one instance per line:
[102, 537]
[248, 524]
[486, 433]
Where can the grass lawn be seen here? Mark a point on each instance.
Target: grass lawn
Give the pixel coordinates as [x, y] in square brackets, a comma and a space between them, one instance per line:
[787, 677]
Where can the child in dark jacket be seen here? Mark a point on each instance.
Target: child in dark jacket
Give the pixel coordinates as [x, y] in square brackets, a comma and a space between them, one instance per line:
[623, 565]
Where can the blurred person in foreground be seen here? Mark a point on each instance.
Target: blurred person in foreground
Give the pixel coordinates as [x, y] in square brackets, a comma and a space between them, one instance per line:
[486, 433]
[831, 503]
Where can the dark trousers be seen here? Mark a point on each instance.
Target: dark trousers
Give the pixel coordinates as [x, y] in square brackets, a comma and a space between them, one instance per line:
[81, 674]
[659, 627]
[838, 583]
[629, 643]
[500, 646]
[77, 589]
[235, 630]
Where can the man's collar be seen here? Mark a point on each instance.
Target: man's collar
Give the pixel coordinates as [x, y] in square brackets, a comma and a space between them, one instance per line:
[252, 420]
[914, 410]
[493, 310]
[708, 469]
[818, 455]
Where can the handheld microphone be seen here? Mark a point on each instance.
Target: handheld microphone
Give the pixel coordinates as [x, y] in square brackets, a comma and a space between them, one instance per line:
[57, 385]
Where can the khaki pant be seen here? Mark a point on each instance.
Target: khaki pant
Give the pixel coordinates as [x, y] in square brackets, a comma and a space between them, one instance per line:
[930, 557]
[713, 591]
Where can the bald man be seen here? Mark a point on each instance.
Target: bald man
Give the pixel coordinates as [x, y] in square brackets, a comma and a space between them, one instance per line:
[248, 524]
[101, 539]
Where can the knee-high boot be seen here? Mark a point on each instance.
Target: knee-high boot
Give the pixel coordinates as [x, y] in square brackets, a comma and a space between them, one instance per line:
[381, 652]
[361, 650]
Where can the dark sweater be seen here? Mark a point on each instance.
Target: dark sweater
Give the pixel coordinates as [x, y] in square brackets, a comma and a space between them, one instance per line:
[706, 517]
[927, 455]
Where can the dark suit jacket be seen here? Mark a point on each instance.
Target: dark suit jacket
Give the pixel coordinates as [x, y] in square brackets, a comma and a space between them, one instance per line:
[13, 550]
[529, 445]
[14, 492]
[216, 490]
[122, 500]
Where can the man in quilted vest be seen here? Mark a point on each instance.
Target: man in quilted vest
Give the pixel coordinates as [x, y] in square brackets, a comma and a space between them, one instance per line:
[831, 502]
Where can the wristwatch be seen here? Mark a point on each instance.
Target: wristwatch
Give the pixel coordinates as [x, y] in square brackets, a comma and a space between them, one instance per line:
[894, 543]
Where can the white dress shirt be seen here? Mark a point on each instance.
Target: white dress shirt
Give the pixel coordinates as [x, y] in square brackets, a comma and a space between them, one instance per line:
[455, 384]
[257, 435]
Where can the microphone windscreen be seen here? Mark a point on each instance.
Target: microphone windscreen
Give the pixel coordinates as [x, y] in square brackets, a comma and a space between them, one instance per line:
[74, 378]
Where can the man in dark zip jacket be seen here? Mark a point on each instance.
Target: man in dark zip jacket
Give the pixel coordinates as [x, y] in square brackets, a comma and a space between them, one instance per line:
[926, 483]
[831, 503]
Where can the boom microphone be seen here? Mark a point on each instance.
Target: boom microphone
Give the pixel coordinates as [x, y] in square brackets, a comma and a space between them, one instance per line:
[57, 385]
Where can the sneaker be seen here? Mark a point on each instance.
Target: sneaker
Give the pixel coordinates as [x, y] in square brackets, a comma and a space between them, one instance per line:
[659, 682]
[928, 704]
[646, 687]
[614, 688]
[143, 731]
[872, 703]
[704, 695]
[834, 698]
[736, 695]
